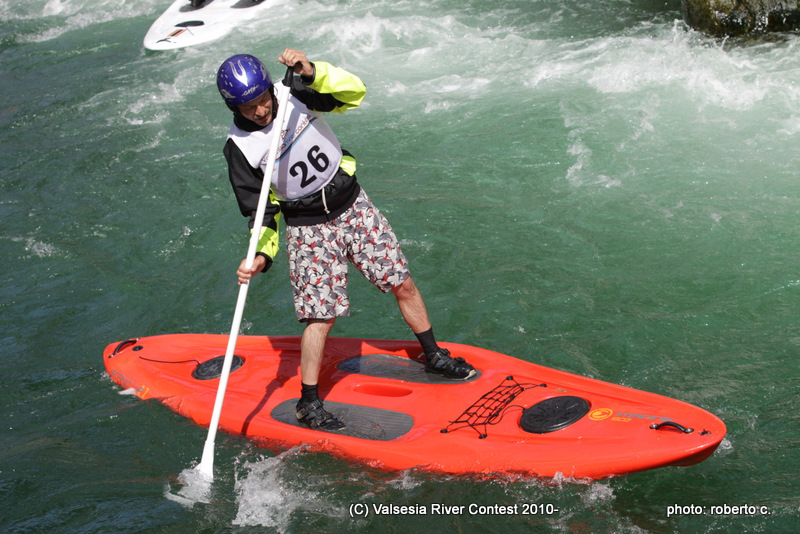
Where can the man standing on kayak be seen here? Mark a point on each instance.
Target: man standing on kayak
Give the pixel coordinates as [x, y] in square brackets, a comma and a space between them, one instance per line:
[329, 218]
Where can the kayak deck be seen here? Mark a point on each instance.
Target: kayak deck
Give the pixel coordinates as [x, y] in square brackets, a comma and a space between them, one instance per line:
[513, 416]
[182, 25]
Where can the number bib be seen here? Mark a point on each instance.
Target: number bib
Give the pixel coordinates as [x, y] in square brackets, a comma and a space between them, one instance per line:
[308, 155]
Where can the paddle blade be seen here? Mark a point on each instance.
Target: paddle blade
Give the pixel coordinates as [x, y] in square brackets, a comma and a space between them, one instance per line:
[196, 488]
[206, 466]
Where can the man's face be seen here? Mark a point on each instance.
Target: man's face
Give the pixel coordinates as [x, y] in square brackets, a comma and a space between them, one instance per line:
[258, 110]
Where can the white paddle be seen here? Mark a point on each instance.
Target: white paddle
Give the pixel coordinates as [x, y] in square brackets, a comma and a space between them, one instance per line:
[206, 465]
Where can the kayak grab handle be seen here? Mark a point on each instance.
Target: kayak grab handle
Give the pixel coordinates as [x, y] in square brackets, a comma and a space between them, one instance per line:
[672, 424]
[122, 345]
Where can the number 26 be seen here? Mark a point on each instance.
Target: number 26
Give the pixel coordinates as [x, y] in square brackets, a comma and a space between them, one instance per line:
[318, 160]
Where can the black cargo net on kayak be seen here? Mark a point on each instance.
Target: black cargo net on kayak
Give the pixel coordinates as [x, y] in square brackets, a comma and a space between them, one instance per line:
[491, 407]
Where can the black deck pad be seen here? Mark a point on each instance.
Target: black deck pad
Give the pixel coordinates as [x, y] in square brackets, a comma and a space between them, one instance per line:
[361, 421]
[397, 368]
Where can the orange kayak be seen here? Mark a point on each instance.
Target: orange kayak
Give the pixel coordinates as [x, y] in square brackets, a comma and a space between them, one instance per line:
[513, 417]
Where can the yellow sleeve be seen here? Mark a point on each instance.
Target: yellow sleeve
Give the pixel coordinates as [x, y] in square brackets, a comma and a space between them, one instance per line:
[340, 84]
[269, 240]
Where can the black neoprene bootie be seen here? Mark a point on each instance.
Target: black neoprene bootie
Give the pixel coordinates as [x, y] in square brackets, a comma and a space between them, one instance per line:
[442, 363]
[314, 415]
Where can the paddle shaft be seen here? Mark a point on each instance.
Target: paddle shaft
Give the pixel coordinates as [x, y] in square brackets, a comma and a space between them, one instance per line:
[206, 465]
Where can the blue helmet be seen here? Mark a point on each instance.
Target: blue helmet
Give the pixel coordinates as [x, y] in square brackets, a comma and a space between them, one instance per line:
[242, 78]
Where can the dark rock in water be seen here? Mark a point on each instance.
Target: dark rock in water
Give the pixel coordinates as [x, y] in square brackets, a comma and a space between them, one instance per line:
[742, 17]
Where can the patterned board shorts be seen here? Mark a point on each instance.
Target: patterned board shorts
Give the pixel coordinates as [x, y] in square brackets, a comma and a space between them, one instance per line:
[318, 257]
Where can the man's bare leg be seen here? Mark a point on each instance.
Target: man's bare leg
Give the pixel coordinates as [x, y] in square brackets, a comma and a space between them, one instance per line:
[412, 307]
[438, 360]
[312, 347]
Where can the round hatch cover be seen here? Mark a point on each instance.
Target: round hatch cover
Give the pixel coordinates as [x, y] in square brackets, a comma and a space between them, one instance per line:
[213, 367]
[553, 414]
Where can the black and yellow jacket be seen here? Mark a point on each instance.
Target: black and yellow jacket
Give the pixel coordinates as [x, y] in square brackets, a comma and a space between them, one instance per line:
[332, 90]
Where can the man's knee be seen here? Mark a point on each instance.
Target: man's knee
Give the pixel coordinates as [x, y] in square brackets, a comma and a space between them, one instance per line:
[406, 288]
